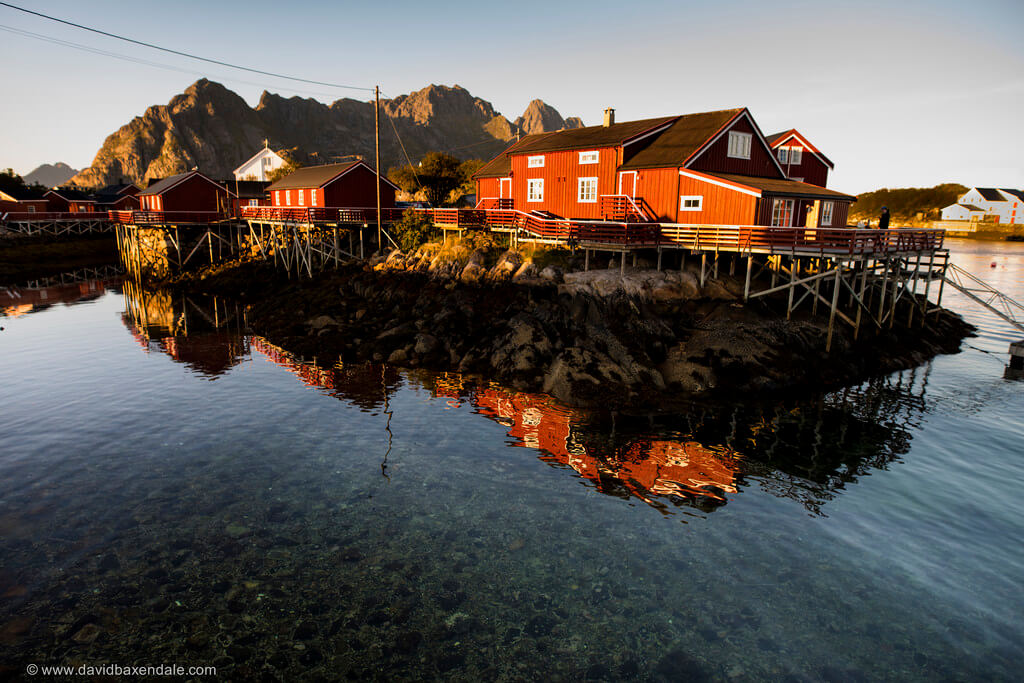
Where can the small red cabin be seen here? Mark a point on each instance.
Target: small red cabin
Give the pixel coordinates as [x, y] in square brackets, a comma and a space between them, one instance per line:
[22, 200]
[118, 197]
[712, 168]
[190, 191]
[69, 200]
[347, 185]
[801, 160]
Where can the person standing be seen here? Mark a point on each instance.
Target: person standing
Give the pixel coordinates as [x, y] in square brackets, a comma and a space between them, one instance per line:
[883, 220]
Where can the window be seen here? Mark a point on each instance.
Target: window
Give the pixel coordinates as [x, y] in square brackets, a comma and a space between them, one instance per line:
[277, 197]
[288, 197]
[535, 190]
[783, 155]
[589, 157]
[254, 202]
[302, 197]
[535, 162]
[693, 202]
[796, 155]
[826, 213]
[312, 197]
[739, 145]
[588, 190]
[31, 208]
[782, 212]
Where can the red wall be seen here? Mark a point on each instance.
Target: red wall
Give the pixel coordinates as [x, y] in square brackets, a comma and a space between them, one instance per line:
[193, 194]
[355, 189]
[657, 190]
[487, 187]
[721, 205]
[561, 173]
[57, 203]
[812, 169]
[41, 206]
[716, 158]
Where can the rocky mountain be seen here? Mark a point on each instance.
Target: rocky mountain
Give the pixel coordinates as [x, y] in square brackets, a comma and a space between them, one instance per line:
[541, 118]
[213, 128]
[50, 175]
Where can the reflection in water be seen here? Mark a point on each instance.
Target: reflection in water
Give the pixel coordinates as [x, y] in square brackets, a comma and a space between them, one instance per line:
[699, 458]
[75, 287]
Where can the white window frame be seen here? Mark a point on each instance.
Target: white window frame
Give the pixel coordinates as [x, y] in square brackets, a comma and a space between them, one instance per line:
[787, 210]
[827, 210]
[536, 161]
[302, 197]
[591, 196]
[312, 197]
[254, 202]
[277, 197]
[783, 155]
[535, 190]
[592, 156]
[739, 144]
[287, 197]
[691, 197]
[796, 156]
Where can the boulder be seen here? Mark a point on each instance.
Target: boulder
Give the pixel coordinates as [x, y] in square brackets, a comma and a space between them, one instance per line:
[527, 271]
[552, 273]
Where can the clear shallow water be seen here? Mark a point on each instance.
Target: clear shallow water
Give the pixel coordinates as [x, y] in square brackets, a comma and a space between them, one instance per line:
[206, 499]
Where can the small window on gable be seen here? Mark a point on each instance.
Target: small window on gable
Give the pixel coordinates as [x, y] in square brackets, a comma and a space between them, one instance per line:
[826, 213]
[588, 190]
[535, 190]
[693, 202]
[796, 155]
[783, 155]
[739, 145]
[590, 157]
[535, 161]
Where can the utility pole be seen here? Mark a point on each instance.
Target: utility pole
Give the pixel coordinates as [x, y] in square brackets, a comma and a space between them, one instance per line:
[376, 135]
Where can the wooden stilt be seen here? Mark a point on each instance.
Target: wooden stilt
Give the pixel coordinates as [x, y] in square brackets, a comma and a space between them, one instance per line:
[835, 303]
[750, 268]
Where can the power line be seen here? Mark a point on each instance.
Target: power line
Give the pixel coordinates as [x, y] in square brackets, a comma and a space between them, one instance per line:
[177, 52]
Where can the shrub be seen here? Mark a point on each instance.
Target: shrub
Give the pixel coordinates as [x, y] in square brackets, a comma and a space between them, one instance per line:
[414, 228]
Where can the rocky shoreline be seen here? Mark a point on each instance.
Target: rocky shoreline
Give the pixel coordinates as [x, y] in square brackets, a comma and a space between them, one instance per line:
[593, 338]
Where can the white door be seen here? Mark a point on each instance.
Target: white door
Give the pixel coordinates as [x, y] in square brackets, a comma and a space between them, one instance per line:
[627, 183]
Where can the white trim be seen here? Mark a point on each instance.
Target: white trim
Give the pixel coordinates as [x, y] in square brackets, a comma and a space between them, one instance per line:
[798, 152]
[501, 188]
[579, 190]
[684, 198]
[781, 152]
[635, 178]
[744, 143]
[790, 205]
[721, 183]
[729, 124]
[535, 182]
[596, 159]
[535, 161]
[803, 141]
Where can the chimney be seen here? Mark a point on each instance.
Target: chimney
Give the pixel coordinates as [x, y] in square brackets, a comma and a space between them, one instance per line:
[609, 117]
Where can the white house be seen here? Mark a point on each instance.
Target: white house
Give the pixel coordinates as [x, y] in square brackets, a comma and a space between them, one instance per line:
[1001, 205]
[259, 165]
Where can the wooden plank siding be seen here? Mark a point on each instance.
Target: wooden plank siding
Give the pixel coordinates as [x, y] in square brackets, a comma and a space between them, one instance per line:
[657, 189]
[354, 189]
[192, 194]
[561, 173]
[721, 205]
[487, 188]
[716, 157]
[812, 169]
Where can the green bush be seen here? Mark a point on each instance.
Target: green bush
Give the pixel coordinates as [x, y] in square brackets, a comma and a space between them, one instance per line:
[415, 228]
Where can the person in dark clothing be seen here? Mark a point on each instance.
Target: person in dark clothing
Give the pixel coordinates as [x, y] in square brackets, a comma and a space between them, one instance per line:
[883, 220]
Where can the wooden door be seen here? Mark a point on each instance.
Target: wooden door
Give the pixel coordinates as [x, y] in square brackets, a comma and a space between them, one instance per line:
[627, 183]
[505, 188]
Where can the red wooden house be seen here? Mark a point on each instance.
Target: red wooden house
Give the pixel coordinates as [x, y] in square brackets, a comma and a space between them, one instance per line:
[191, 192]
[800, 159]
[709, 168]
[69, 200]
[347, 185]
[22, 200]
[117, 197]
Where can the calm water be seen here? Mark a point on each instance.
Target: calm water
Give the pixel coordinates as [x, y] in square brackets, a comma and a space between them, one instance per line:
[204, 498]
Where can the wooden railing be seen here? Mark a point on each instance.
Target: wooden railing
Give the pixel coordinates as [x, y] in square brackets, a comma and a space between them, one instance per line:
[494, 203]
[14, 216]
[621, 207]
[312, 214]
[826, 241]
[166, 217]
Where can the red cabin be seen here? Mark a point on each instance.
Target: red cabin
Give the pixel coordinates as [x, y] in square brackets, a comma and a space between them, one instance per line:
[191, 192]
[119, 197]
[22, 200]
[712, 168]
[800, 159]
[69, 200]
[347, 185]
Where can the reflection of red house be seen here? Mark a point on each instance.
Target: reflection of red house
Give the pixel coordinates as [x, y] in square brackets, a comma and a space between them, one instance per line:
[15, 302]
[348, 185]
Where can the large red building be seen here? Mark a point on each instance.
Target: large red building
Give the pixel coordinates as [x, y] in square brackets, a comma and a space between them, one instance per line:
[192, 191]
[710, 168]
[348, 185]
[800, 159]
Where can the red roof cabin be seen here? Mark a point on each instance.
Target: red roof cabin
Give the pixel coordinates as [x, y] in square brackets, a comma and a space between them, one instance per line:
[347, 185]
[800, 159]
[712, 168]
[188, 192]
[70, 200]
[22, 200]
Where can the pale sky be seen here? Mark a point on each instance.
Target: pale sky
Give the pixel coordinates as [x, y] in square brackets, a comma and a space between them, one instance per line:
[897, 94]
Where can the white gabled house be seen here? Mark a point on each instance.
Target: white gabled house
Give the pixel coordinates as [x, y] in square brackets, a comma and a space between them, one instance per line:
[260, 165]
[1000, 205]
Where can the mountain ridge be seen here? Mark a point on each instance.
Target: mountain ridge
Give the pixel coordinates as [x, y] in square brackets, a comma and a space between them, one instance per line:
[50, 175]
[211, 127]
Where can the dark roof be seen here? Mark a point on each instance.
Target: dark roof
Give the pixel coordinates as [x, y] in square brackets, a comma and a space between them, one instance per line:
[247, 189]
[991, 194]
[24, 194]
[1019, 194]
[790, 188]
[775, 137]
[688, 134]
[72, 194]
[116, 189]
[591, 136]
[972, 207]
[501, 166]
[312, 176]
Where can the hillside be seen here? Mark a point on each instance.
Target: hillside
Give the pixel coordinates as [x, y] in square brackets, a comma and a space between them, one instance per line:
[50, 175]
[907, 202]
[211, 127]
